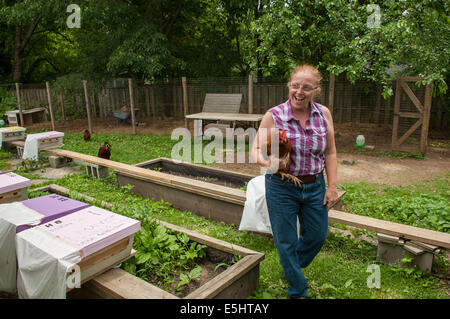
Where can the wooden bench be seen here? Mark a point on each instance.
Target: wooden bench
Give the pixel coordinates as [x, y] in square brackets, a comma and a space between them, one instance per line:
[221, 108]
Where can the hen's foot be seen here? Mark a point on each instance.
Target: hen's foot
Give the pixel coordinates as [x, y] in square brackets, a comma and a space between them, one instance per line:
[292, 178]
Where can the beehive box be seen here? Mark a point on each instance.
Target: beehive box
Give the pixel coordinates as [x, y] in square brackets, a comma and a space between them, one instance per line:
[13, 187]
[19, 216]
[12, 133]
[84, 244]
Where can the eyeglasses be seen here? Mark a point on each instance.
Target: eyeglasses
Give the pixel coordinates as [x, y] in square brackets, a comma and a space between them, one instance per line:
[305, 88]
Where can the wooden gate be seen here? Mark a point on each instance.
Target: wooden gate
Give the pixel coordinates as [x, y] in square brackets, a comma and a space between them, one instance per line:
[423, 116]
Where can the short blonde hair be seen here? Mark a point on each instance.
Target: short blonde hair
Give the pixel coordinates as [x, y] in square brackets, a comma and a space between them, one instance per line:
[313, 70]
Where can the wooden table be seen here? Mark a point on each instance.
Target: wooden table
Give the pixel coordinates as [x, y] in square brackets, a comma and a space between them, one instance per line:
[233, 117]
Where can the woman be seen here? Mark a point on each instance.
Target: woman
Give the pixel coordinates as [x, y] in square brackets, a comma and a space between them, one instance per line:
[309, 128]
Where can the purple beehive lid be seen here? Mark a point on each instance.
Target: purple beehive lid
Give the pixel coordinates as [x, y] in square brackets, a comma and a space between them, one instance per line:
[52, 206]
[91, 229]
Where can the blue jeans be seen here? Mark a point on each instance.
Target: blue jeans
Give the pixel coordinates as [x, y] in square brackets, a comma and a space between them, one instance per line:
[287, 202]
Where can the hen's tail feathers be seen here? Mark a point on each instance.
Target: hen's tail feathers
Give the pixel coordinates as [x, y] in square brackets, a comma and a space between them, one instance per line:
[292, 178]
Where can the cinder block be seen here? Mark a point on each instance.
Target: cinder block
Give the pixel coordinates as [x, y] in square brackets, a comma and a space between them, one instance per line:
[97, 171]
[392, 250]
[57, 161]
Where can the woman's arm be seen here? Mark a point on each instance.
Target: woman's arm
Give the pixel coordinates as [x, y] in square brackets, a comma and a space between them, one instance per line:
[261, 139]
[331, 165]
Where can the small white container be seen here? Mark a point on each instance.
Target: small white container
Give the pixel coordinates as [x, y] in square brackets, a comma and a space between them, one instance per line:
[360, 141]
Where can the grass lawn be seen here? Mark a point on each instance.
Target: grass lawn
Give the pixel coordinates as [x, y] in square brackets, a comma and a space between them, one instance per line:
[341, 268]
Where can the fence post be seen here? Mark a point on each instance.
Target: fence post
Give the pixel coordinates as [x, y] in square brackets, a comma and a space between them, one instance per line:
[185, 99]
[426, 120]
[61, 101]
[250, 93]
[88, 110]
[331, 94]
[19, 104]
[133, 120]
[52, 119]
[147, 101]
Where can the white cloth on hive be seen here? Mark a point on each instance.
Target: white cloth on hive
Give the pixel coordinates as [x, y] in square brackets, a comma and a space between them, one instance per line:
[31, 147]
[255, 216]
[12, 215]
[43, 274]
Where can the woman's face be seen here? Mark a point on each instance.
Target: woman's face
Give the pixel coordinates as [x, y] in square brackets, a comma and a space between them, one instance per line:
[302, 89]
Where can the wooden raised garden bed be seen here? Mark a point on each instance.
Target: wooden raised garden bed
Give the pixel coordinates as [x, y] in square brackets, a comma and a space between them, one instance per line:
[236, 281]
[198, 191]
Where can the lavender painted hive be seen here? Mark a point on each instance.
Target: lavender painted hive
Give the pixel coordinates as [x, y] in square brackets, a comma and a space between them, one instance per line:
[91, 229]
[11, 182]
[52, 207]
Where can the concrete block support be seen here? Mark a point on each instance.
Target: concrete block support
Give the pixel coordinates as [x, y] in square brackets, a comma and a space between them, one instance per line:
[57, 161]
[96, 171]
[392, 250]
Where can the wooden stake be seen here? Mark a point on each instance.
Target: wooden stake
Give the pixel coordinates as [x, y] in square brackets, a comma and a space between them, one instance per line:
[185, 99]
[88, 109]
[250, 94]
[133, 120]
[52, 118]
[19, 104]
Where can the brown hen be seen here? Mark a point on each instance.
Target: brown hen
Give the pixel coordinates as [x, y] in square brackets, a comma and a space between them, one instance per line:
[87, 135]
[104, 151]
[284, 156]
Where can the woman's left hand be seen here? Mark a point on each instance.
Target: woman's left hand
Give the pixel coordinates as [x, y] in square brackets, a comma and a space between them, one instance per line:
[331, 196]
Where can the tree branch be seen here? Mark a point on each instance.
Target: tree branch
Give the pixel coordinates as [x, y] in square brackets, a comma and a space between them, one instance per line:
[30, 32]
[169, 23]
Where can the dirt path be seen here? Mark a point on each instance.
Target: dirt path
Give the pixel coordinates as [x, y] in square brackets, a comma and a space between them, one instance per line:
[368, 167]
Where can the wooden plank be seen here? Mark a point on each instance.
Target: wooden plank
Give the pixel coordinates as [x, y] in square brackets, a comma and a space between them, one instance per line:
[104, 253]
[390, 228]
[410, 115]
[168, 179]
[412, 96]
[213, 287]
[222, 103]
[212, 242]
[118, 284]
[409, 132]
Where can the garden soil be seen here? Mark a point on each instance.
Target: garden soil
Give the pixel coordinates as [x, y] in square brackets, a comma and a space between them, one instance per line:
[368, 166]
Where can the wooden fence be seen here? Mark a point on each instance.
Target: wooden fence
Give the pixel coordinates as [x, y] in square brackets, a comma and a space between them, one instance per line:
[356, 103]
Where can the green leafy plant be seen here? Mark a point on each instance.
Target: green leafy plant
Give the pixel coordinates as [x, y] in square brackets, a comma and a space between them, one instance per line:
[163, 255]
[185, 278]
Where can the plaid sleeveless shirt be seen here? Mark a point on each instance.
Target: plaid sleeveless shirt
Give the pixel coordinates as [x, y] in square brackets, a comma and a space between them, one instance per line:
[309, 143]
